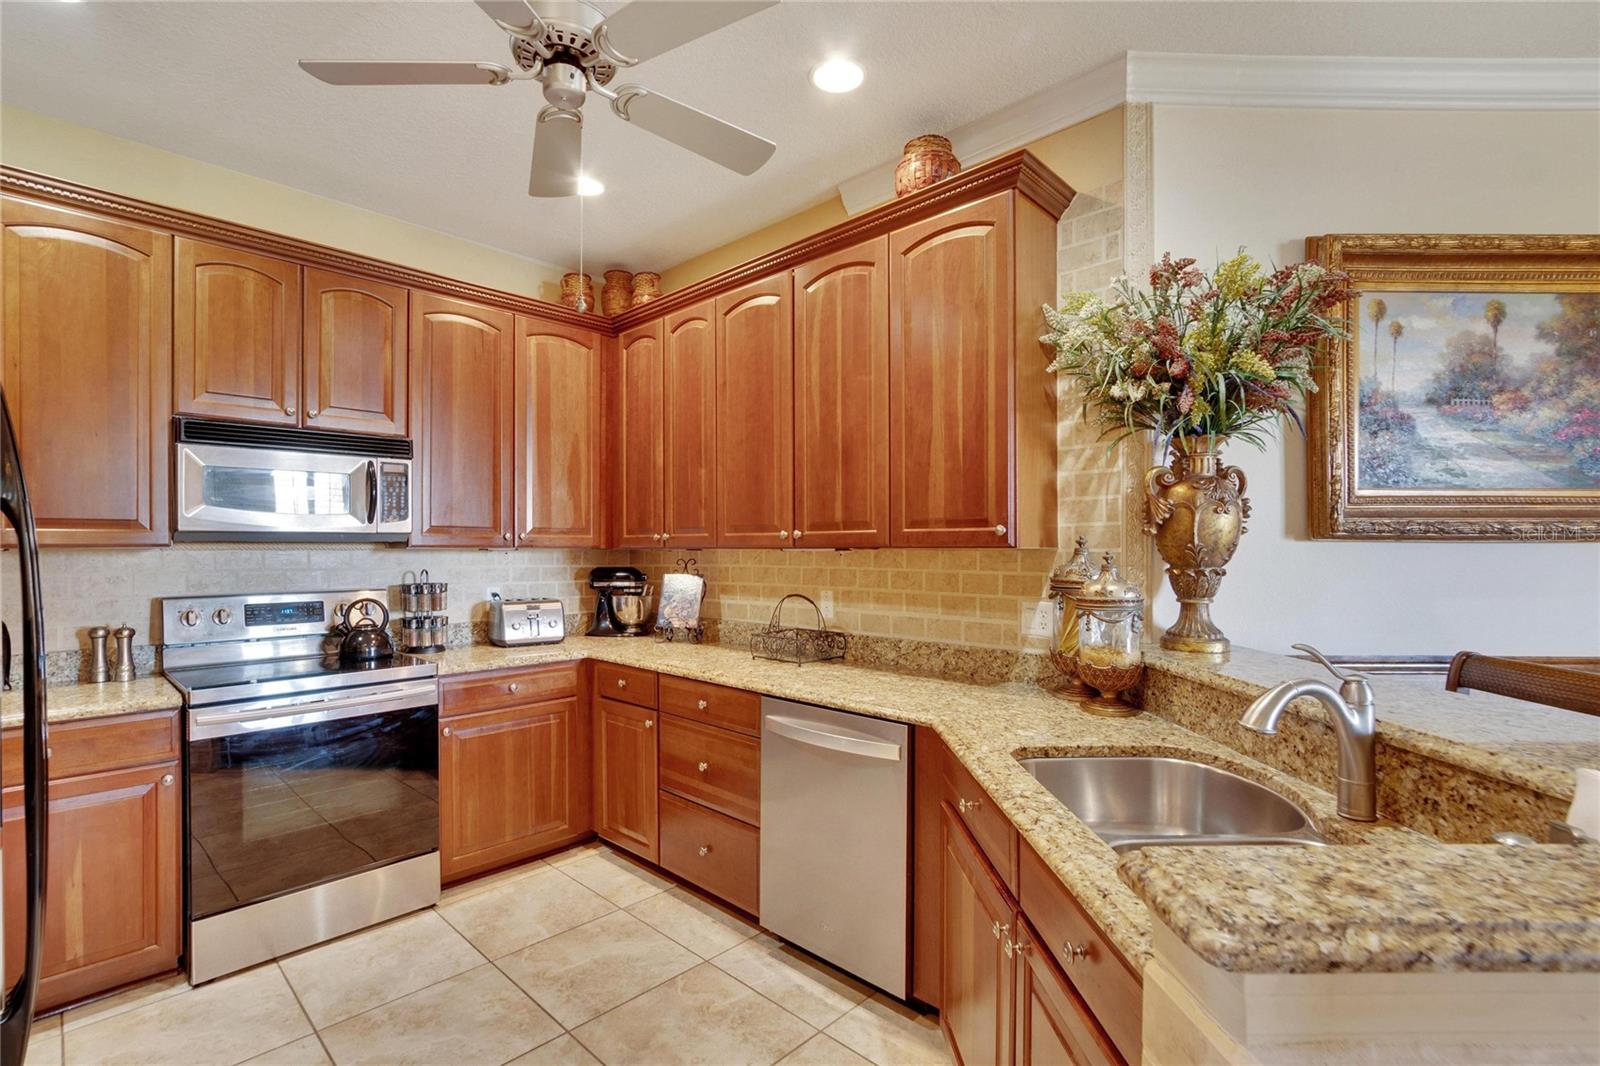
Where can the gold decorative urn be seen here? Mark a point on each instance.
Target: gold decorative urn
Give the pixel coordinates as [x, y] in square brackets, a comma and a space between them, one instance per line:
[1195, 509]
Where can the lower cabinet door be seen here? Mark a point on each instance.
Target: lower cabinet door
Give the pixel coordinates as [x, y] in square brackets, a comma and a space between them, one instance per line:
[625, 776]
[977, 983]
[512, 782]
[1054, 1025]
[111, 911]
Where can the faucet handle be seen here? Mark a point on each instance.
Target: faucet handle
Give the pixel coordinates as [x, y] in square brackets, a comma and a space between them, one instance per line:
[1323, 659]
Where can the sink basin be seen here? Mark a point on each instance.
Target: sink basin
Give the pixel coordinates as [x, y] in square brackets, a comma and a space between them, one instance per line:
[1136, 801]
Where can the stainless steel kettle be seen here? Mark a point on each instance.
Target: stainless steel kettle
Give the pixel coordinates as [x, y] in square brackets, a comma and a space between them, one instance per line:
[365, 639]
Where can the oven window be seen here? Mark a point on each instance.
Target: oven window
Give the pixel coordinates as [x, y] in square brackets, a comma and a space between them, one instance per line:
[288, 492]
[286, 809]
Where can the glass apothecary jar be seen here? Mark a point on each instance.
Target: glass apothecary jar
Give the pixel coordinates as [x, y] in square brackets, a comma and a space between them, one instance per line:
[1066, 581]
[1110, 628]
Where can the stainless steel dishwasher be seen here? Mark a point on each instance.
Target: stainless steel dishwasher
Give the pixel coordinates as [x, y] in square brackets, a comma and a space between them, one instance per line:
[834, 826]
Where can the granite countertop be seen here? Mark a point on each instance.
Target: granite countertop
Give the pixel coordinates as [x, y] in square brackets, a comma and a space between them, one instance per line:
[1396, 909]
[66, 703]
[989, 727]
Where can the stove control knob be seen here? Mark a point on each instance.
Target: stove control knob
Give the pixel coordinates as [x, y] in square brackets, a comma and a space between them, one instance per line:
[189, 617]
[222, 616]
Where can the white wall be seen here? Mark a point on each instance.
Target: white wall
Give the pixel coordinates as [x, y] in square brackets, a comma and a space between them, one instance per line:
[1265, 179]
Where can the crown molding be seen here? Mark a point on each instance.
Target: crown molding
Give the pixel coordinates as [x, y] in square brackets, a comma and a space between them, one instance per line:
[1364, 82]
[1006, 130]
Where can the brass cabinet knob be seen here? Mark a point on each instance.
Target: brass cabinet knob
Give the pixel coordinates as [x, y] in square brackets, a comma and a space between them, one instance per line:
[311, 413]
[622, 682]
[700, 704]
[505, 536]
[999, 531]
[703, 767]
[166, 779]
[798, 534]
[288, 410]
[514, 686]
[705, 849]
[665, 537]
[649, 723]
[655, 536]
[994, 928]
[783, 534]
[446, 731]
[965, 805]
[1073, 952]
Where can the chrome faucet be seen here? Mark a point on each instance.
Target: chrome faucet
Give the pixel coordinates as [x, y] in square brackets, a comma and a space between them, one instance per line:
[1353, 720]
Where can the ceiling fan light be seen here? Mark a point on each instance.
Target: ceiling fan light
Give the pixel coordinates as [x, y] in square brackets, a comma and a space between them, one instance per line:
[588, 186]
[837, 75]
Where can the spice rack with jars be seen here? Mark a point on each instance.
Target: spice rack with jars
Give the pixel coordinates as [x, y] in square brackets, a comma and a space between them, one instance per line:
[423, 623]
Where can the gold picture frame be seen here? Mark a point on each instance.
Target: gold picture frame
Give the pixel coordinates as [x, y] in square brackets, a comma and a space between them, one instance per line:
[1474, 436]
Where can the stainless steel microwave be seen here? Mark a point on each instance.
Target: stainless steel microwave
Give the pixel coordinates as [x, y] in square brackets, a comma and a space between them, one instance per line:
[242, 482]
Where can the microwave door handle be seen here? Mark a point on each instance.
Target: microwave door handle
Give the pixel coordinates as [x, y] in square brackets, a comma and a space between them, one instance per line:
[372, 493]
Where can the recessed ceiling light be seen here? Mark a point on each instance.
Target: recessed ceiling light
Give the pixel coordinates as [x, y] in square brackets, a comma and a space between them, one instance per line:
[588, 186]
[836, 75]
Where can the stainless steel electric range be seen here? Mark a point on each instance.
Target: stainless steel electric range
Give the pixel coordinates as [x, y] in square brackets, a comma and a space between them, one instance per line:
[311, 785]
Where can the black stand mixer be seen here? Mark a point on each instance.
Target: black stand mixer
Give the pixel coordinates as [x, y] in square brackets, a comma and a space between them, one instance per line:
[622, 602]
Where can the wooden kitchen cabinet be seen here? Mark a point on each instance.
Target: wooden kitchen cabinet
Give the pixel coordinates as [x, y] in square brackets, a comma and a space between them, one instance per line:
[87, 367]
[112, 907]
[1053, 1024]
[353, 376]
[971, 406]
[236, 334]
[754, 452]
[978, 977]
[558, 435]
[461, 403]
[636, 471]
[513, 782]
[841, 398]
[625, 776]
[689, 428]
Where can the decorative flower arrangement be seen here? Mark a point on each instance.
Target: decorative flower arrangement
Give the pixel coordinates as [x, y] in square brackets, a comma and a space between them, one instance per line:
[1217, 356]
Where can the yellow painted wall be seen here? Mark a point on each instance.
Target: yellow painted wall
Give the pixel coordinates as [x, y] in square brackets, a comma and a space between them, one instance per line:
[1088, 155]
[62, 149]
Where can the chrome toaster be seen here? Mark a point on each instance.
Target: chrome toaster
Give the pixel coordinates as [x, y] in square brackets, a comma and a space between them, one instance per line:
[517, 622]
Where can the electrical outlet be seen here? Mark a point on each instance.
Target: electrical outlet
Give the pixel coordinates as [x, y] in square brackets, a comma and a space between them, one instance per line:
[488, 593]
[825, 601]
[1038, 620]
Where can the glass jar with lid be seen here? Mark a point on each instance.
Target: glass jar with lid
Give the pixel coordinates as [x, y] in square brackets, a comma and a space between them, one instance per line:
[1065, 582]
[1110, 629]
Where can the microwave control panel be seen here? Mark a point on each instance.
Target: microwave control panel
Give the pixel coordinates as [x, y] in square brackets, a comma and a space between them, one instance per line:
[395, 503]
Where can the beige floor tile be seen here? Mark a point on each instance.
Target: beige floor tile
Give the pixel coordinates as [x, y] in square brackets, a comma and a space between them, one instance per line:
[702, 1016]
[44, 1042]
[618, 879]
[479, 884]
[475, 1017]
[793, 980]
[129, 999]
[562, 1051]
[822, 1050]
[891, 1034]
[586, 971]
[226, 1021]
[355, 973]
[523, 911]
[578, 851]
[698, 924]
[307, 1051]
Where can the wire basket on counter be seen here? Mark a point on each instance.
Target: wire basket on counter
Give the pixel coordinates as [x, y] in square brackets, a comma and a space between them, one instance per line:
[797, 644]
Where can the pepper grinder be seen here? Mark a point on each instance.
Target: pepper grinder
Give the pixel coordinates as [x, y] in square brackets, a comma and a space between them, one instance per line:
[124, 638]
[99, 664]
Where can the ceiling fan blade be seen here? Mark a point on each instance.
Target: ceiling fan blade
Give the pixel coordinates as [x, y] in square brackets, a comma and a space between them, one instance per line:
[719, 141]
[403, 72]
[646, 28]
[557, 153]
[511, 12]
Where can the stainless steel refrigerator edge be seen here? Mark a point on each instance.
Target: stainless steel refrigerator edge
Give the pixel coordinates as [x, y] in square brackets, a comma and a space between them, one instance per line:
[835, 834]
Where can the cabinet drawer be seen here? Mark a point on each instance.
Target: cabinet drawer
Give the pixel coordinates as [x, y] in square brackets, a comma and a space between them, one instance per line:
[95, 745]
[508, 688]
[711, 851]
[986, 822]
[625, 683]
[712, 766]
[1107, 984]
[731, 708]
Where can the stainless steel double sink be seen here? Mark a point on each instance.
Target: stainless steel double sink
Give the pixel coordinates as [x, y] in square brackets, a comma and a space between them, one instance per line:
[1135, 801]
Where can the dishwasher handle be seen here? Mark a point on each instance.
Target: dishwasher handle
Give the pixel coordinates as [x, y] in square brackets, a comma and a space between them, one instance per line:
[806, 733]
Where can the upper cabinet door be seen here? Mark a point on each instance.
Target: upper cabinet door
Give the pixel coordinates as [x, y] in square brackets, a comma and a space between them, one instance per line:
[637, 437]
[354, 376]
[690, 437]
[461, 390]
[755, 415]
[87, 372]
[557, 417]
[841, 399]
[951, 377]
[237, 345]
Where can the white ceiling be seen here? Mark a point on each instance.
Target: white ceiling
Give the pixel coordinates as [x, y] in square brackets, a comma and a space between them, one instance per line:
[218, 82]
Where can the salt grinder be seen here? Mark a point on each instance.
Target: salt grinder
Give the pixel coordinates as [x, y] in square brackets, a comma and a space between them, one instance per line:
[99, 665]
[124, 638]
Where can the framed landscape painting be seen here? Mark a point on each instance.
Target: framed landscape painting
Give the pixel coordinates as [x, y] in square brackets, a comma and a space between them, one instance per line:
[1464, 401]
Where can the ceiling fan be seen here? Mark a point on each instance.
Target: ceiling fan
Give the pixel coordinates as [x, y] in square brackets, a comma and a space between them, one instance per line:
[572, 49]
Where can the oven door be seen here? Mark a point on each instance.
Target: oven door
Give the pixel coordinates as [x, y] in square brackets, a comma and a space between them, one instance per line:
[282, 800]
[261, 493]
